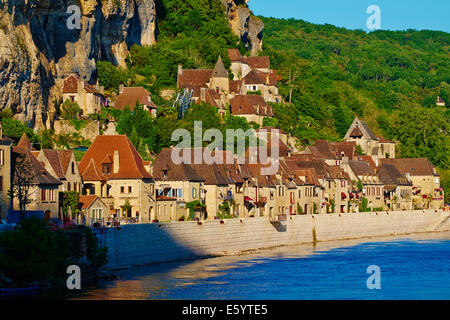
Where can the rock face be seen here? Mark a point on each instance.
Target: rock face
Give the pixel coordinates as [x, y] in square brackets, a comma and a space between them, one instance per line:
[244, 24]
[38, 49]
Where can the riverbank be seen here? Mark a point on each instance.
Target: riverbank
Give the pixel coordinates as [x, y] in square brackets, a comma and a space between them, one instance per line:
[141, 244]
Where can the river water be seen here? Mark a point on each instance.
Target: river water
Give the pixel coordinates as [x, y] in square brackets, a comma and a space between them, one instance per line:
[411, 267]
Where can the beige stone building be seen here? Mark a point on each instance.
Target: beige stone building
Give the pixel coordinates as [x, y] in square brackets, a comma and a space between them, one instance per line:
[43, 194]
[113, 170]
[427, 190]
[397, 188]
[62, 165]
[93, 211]
[130, 96]
[371, 145]
[5, 173]
[90, 98]
[372, 187]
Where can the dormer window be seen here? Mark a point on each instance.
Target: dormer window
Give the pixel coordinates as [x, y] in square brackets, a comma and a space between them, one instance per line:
[164, 173]
[107, 168]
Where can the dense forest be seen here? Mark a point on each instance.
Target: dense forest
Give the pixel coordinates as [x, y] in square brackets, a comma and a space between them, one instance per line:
[330, 75]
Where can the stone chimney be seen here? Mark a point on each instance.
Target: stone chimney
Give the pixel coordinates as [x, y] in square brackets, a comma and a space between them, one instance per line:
[116, 161]
[120, 88]
[180, 70]
[203, 94]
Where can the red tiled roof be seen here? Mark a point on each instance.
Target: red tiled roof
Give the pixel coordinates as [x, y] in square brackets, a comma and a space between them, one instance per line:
[234, 55]
[131, 95]
[191, 78]
[86, 201]
[24, 142]
[247, 104]
[71, 84]
[131, 165]
[257, 62]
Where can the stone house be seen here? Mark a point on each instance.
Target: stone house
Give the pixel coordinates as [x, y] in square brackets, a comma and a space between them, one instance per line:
[90, 98]
[5, 173]
[62, 165]
[180, 182]
[372, 187]
[397, 188]
[252, 107]
[426, 189]
[336, 187]
[371, 145]
[44, 193]
[93, 210]
[130, 96]
[113, 170]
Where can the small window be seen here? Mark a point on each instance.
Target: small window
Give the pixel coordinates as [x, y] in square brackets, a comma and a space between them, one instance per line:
[106, 168]
[122, 189]
[73, 168]
[194, 193]
[129, 189]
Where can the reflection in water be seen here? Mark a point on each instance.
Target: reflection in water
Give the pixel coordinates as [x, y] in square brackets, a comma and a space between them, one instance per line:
[293, 272]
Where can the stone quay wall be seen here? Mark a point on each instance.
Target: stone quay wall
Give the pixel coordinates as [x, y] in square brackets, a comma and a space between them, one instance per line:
[141, 244]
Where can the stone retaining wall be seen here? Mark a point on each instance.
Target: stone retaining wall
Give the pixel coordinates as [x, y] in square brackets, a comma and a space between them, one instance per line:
[142, 244]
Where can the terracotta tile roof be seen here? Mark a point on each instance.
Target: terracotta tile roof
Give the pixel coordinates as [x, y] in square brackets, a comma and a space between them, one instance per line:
[309, 176]
[325, 149]
[131, 165]
[131, 95]
[259, 77]
[39, 175]
[413, 166]
[257, 62]
[86, 201]
[369, 160]
[384, 140]
[191, 78]
[234, 55]
[53, 158]
[71, 84]
[92, 173]
[361, 168]
[248, 104]
[235, 86]
[345, 148]
[24, 142]
[356, 133]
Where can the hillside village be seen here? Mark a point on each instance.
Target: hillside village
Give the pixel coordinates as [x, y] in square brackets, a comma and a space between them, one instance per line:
[116, 186]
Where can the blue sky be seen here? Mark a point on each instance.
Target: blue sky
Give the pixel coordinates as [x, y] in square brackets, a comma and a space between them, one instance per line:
[351, 14]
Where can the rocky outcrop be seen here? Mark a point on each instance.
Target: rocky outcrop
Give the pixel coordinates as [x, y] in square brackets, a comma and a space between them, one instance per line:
[244, 24]
[38, 49]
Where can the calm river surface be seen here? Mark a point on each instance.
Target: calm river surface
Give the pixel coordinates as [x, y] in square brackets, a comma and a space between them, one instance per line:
[412, 267]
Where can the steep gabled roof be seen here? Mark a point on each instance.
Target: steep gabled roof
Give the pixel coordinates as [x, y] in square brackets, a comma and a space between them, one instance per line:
[131, 165]
[24, 142]
[234, 55]
[247, 104]
[38, 174]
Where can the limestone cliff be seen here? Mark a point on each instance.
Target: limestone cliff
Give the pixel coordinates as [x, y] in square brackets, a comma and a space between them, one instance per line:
[37, 49]
[244, 24]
